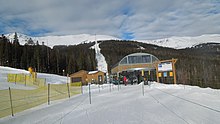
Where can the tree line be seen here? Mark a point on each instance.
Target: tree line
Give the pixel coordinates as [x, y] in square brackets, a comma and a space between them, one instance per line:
[195, 66]
[58, 60]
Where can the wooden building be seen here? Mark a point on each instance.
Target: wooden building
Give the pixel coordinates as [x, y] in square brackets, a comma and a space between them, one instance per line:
[86, 77]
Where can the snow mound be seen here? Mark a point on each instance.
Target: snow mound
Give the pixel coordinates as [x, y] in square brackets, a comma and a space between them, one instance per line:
[50, 78]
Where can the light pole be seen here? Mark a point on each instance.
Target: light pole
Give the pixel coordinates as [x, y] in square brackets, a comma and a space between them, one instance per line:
[63, 72]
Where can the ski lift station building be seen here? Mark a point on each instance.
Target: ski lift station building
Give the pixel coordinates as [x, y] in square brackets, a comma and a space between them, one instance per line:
[143, 66]
[133, 64]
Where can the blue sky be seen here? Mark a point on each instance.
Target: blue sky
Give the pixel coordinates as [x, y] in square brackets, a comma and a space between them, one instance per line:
[125, 19]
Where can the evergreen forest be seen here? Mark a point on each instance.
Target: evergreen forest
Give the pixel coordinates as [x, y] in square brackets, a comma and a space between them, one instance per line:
[199, 65]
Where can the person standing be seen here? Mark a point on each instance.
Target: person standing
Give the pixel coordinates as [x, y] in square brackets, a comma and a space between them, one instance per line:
[125, 80]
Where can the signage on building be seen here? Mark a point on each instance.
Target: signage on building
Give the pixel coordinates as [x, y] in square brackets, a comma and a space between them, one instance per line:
[171, 74]
[165, 74]
[167, 66]
[160, 75]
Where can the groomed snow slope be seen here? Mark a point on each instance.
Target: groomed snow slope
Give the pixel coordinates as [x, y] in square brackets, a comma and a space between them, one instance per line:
[101, 62]
[161, 104]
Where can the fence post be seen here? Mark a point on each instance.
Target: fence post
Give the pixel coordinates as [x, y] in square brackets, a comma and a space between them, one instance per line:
[15, 78]
[118, 85]
[90, 100]
[68, 87]
[143, 88]
[45, 82]
[110, 86]
[99, 88]
[12, 113]
[25, 83]
[48, 94]
[81, 87]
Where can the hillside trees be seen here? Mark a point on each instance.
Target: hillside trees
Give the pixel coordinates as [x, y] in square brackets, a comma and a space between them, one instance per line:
[44, 59]
[195, 66]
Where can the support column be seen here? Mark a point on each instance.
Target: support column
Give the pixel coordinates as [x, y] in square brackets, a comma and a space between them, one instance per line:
[174, 69]
[157, 72]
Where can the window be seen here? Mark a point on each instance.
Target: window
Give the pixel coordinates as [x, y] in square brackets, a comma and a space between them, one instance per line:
[154, 59]
[139, 59]
[146, 59]
[132, 59]
[124, 61]
[76, 79]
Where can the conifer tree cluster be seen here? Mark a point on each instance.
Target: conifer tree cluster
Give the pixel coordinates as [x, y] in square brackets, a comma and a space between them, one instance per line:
[59, 60]
[195, 66]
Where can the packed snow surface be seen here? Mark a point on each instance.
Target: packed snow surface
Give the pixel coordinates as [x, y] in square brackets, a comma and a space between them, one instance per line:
[160, 104]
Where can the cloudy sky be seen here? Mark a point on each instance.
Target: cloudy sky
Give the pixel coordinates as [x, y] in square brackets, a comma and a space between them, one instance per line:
[126, 19]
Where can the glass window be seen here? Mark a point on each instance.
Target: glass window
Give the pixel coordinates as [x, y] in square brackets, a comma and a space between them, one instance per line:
[124, 61]
[154, 59]
[132, 59]
[139, 59]
[146, 59]
[135, 59]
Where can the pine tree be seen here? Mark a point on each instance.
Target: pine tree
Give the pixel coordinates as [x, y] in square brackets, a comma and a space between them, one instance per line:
[16, 41]
[30, 42]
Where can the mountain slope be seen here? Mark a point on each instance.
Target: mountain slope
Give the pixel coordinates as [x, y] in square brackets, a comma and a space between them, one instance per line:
[184, 42]
[61, 40]
[172, 42]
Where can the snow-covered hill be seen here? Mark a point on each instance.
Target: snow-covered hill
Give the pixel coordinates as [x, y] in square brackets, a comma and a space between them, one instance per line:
[4, 71]
[61, 40]
[184, 42]
[172, 42]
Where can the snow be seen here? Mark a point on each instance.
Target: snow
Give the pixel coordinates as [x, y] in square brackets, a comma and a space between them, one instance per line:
[92, 72]
[50, 78]
[184, 42]
[160, 104]
[61, 40]
[3, 78]
[101, 62]
[172, 42]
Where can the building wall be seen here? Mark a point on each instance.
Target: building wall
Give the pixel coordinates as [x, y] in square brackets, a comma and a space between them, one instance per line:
[94, 78]
[80, 74]
[86, 78]
[121, 68]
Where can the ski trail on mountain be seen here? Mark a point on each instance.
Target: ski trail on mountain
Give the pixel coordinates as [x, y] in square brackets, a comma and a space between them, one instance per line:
[101, 62]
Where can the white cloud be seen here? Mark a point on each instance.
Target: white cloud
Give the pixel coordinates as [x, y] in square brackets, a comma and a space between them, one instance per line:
[146, 19]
